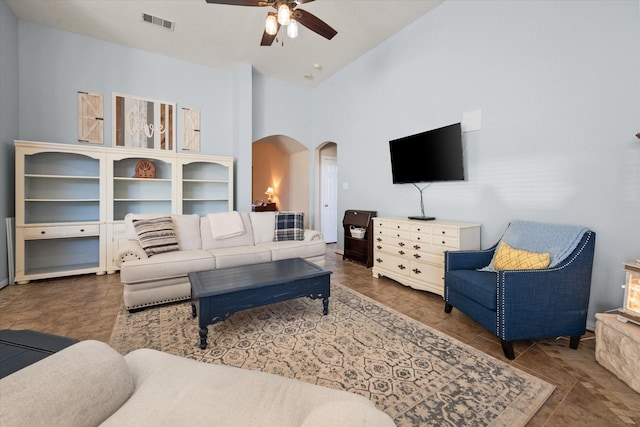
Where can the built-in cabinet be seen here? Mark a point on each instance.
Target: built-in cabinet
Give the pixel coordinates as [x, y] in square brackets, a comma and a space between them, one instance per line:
[71, 201]
[412, 252]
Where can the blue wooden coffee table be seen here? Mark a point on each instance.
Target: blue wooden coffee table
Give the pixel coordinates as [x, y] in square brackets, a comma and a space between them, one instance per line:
[217, 294]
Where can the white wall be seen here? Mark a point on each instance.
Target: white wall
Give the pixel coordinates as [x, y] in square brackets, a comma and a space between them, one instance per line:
[54, 65]
[558, 84]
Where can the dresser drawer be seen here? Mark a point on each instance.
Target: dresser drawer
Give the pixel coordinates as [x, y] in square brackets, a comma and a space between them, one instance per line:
[82, 230]
[43, 232]
[393, 264]
[445, 242]
[394, 249]
[430, 257]
[420, 228]
[421, 238]
[427, 272]
[444, 232]
[401, 234]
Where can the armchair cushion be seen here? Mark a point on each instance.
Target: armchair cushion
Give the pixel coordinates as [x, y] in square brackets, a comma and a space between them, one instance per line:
[478, 286]
[508, 258]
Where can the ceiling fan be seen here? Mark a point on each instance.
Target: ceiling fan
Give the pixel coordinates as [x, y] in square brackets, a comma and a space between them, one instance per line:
[286, 14]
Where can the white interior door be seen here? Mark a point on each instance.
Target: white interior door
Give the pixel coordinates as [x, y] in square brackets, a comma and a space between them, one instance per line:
[329, 202]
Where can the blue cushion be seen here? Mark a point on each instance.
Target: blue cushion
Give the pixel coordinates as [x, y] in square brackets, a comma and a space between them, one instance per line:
[479, 286]
[289, 226]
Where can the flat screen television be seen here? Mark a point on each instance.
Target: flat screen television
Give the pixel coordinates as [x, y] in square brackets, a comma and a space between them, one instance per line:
[434, 155]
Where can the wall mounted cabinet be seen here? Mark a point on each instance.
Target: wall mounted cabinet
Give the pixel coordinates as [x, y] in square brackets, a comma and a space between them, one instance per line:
[71, 201]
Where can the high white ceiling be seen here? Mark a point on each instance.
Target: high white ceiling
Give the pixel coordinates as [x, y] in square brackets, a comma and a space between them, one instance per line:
[220, 36]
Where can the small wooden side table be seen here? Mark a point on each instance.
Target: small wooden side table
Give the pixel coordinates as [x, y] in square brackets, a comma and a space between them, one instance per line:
[618, 348]
[267, 207]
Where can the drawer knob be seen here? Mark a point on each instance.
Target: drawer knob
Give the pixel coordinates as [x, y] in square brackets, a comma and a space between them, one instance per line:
[417, 256]
[401, 267]
[416, 247]
[444, 232]
[378, 247]
[443, 242]
[379, 239]
[43, 232]
[379, 260]
[82, 230]
[401, 244]
[415, 270]
[401, 252]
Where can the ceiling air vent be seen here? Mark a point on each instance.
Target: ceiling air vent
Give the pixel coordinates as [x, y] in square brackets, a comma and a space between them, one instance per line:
[155, 20]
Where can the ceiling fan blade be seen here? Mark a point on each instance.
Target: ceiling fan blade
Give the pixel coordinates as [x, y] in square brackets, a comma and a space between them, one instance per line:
[303, 1]
[315, 24]
[267, 39]
[238, 2]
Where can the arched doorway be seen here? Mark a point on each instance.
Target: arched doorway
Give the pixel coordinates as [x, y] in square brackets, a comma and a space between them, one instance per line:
[282, 163]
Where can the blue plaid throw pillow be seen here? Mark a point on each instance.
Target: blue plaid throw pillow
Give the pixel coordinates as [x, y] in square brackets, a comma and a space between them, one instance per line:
[289, 226]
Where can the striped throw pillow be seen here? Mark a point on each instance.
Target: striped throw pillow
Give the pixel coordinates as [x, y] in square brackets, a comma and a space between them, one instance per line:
[156, 235]
[289, 226]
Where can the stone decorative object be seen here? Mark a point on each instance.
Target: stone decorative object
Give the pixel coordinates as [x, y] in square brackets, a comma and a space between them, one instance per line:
[618, 348]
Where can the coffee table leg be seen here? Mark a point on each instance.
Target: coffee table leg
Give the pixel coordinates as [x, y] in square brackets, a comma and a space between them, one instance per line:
[203, 337]
[325, 305]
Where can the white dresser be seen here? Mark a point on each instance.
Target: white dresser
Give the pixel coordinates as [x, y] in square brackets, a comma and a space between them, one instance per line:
[412, 252]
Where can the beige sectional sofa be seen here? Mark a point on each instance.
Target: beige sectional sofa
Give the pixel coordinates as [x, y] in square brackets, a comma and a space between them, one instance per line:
[203, 245]
[90, 384]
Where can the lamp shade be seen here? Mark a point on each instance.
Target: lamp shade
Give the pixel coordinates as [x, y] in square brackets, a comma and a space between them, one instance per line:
[292, 29]
[271, 25]
[284, 14]
[269, 193]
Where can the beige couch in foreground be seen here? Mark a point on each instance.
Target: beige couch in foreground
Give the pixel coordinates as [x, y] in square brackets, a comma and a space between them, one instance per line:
[90, 384]
[162, 278]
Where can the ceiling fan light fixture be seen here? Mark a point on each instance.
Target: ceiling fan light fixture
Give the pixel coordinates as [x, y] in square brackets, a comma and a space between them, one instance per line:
[271, 25]
[284, 14]
[292, 29]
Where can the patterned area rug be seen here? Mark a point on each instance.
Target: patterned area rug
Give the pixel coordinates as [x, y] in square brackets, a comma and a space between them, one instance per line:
[415, 374]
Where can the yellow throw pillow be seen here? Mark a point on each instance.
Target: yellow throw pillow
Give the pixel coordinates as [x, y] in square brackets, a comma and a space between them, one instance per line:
[508, 258]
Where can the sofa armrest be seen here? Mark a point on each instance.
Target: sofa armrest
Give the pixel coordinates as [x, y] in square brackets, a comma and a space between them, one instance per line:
[82, 385]
[129, 250]
[312, 235]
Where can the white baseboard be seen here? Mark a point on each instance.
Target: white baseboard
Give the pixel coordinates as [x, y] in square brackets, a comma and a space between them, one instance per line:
[339, 252]
[4, 283]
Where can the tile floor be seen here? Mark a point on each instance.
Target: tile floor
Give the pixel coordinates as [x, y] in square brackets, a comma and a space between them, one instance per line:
[84, 307]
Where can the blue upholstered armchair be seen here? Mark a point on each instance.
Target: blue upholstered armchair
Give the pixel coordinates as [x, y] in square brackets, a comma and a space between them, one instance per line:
[525, 304]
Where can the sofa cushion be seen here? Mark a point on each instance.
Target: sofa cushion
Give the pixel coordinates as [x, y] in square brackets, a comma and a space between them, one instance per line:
[295, 249]
[264, 224]
[167, 265]
[156, 235]
[241, 255]
[187, 228]
[81, 385]
[289, 226]
[175, 391]
[245, 239]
